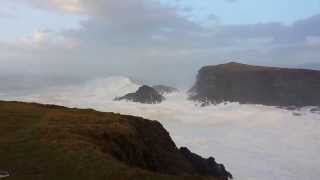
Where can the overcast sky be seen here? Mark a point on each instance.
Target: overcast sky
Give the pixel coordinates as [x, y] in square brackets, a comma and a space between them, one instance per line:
[159, 41]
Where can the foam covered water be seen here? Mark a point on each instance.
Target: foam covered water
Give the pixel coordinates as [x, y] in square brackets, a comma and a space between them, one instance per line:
[255, 142]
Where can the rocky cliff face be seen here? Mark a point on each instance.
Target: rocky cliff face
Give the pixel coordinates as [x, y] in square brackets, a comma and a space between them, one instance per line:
[257, 85]
[144, 94]
[150, 147]
[53, 142]
[205, 166]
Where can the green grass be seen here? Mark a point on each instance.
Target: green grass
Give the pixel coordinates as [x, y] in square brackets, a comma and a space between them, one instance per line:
[40, 142]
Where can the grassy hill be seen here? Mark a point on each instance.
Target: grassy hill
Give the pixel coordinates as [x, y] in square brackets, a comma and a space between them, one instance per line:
[51, 142]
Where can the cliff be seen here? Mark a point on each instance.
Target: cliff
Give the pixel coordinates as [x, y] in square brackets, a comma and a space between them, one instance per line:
[249, 84]
[52, 142]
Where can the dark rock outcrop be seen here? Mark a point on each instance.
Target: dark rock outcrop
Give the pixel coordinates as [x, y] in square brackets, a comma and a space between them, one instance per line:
[248, 84]
[161, 89]
[54, 142]
[140, 150]
[207, 167]
[144, 94]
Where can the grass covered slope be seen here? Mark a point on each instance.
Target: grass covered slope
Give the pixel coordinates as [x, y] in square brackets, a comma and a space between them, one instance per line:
[53, 142]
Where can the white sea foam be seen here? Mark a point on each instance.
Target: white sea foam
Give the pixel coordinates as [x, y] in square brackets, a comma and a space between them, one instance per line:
[255, 142]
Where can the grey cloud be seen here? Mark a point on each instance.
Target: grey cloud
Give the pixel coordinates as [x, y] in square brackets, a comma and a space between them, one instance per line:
[302, 29]
[295, 33]
[5, 15]
[150, 41]
[7, 11]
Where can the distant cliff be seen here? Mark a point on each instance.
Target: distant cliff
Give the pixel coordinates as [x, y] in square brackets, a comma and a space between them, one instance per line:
[52, 142]
[249, 84]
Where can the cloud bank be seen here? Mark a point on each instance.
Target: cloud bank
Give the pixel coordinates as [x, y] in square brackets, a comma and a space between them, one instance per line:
[148, 40]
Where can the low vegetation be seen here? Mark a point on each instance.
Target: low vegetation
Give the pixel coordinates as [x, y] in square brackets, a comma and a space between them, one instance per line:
[51, 142]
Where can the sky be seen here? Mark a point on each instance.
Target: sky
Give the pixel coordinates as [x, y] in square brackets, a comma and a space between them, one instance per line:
[149, 39]
[251, 11]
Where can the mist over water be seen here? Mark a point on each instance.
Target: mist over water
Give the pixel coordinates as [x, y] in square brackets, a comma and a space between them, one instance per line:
[255, 142]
